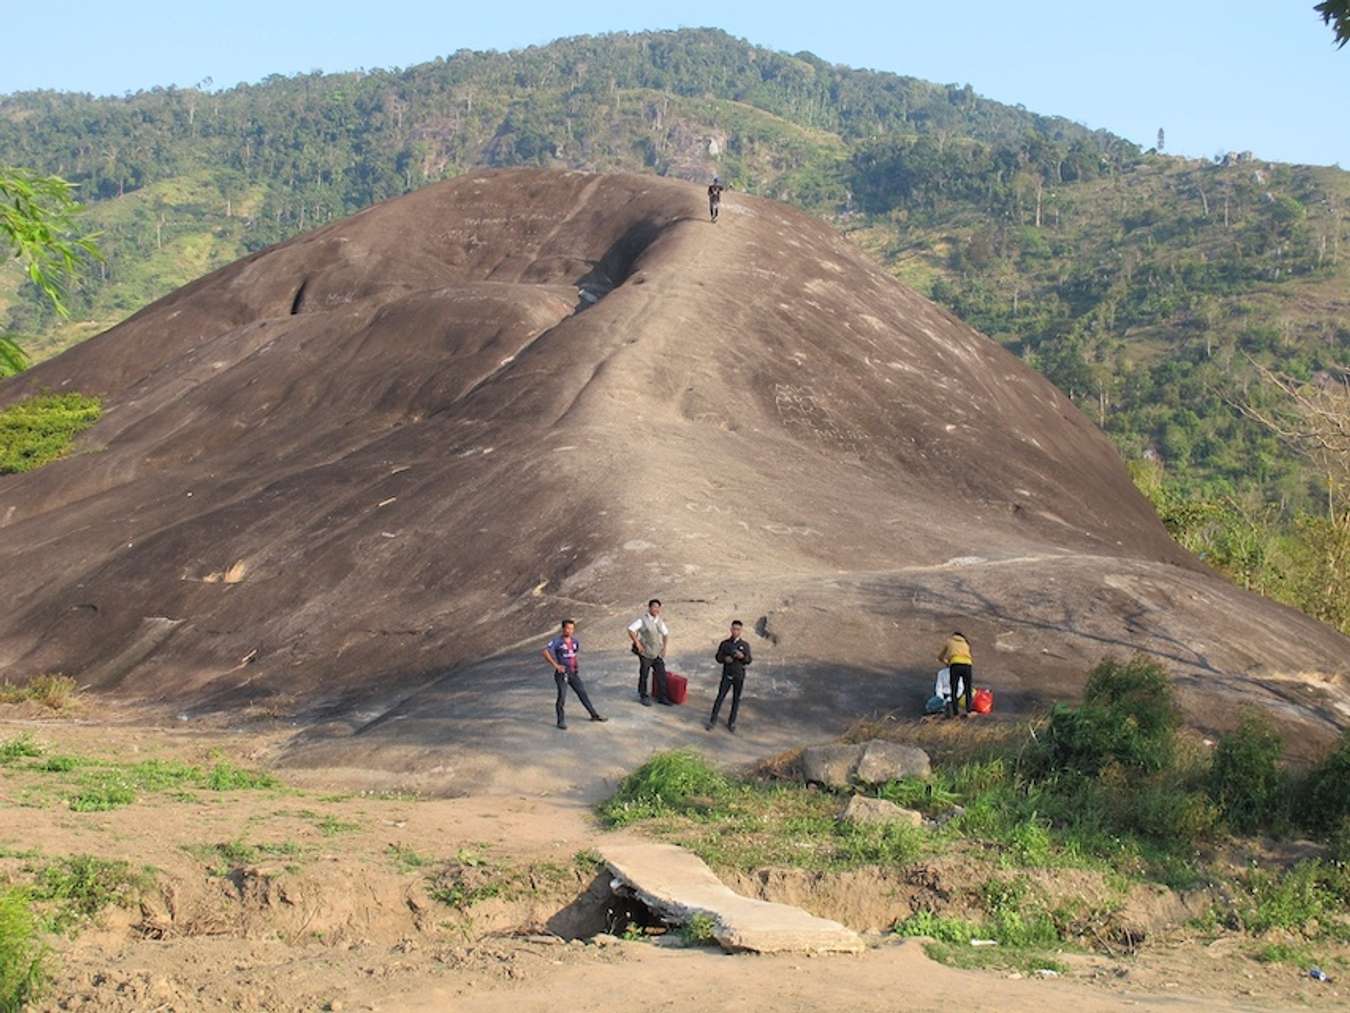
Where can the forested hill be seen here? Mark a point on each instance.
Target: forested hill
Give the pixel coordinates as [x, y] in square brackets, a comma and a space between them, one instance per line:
[1136, 281]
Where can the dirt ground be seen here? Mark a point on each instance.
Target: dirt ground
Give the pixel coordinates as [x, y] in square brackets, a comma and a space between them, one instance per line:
[337, 908]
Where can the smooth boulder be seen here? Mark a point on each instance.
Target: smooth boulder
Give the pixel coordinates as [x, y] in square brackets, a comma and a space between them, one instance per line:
[832, 766]
[883, 761]
[862, 809]
[876, 761]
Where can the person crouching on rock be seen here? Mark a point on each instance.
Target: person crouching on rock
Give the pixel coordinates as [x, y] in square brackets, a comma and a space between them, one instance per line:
[955, 654]
[650, 636]
[561, 653]
[733, 654]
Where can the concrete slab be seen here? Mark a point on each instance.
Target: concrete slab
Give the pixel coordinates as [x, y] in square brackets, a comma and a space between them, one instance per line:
[678, 885]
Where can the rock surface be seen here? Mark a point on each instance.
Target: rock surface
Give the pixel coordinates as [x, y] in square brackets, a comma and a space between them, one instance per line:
[866, 810]
[678, 885]
[354, 480]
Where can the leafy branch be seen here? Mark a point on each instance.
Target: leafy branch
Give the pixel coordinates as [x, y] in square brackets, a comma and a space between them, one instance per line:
[37, 223]
[37, 227]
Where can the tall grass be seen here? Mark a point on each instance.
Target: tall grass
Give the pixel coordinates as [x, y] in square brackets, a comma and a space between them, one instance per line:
[665, 783]
[23, 956]
[55, 692]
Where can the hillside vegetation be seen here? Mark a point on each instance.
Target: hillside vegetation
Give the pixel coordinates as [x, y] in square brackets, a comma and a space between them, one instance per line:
[1142, 284]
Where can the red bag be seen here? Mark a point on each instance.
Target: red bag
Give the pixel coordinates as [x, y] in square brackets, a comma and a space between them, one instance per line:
[677, 687]
[982, 702]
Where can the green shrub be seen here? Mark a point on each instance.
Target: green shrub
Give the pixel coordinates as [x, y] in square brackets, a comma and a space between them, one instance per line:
[1016, 918]
[40, 429]
[1245, 780]
[666, 782]
[1323, 798]
[1128, 717]
[942, 928]
[698, 929]
[23, 957]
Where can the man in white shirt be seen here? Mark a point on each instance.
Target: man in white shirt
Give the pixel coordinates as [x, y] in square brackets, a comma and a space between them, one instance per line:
[650, 636]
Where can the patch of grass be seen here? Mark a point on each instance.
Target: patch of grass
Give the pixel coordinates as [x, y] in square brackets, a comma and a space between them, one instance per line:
[927, 796]
[79, 887]
[40, 429]
[331, 826]
[986, 958]
[1284, 953]
[100, 785]
[228, 777]
[941, 928]
[472, 877]
[56, 692]
[160, 775]
[1020, 932]
[588, 861]
[1311, 899]
[668, 782]
[24, 959]
[747, 824]
[469, 880]
[104, 791]
[406, 859]
[18, 747]
[223, 857]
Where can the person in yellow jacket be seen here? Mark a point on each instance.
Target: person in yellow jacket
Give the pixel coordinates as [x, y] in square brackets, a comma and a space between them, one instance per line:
[955, 654]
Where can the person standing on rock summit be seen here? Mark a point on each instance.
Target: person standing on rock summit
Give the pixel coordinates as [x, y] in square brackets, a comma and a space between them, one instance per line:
[733, 654]
[650, 636]
[955, 654]
[561, 652]
[715, 198]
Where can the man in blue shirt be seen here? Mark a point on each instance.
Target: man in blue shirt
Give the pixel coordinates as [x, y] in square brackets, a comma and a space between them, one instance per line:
[561, 652]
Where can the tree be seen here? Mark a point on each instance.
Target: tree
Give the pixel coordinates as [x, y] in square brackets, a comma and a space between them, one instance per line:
[1162, 140]
[37, 227]
[1312, 417]
[1336, 14]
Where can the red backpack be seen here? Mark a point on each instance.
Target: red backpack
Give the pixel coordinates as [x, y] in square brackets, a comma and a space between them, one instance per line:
[982, 702]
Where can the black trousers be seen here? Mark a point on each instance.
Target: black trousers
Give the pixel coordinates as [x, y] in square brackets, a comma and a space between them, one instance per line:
[565, 679]
[735, 683]
[657, 666]
[963, 678]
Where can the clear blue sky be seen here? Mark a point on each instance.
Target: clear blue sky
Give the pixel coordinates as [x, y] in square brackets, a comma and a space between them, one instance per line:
[1216, 74]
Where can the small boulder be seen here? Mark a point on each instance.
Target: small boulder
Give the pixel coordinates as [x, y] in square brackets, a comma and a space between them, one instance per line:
[862, 809]
[889, 761]
[830, 765]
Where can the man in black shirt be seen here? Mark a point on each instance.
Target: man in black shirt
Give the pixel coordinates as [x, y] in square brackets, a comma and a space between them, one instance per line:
[733, 654]
[715, 198]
